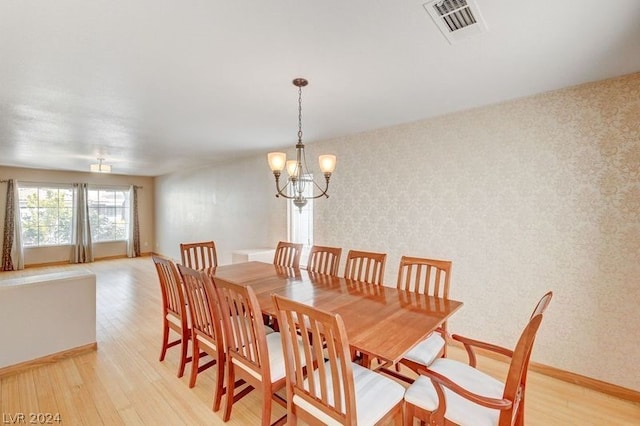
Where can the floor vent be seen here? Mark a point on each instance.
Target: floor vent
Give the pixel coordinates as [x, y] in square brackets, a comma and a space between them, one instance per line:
[457, 19]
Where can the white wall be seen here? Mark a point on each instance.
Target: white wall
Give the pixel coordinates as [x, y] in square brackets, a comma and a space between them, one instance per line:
[231, 203]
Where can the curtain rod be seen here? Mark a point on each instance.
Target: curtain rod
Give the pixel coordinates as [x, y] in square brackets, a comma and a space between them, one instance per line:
[91, 184]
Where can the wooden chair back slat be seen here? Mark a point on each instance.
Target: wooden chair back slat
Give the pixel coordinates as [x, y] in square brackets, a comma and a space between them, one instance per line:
[288, 254]
[316, 338]
[199, 256]
[173, 305]
[324, 260]
[171, 286]
[425, 276]
[365, 266]
[203, 304]
[243, 326]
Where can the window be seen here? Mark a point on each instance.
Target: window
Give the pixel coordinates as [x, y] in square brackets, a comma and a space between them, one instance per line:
[45, 215]
[301, 223]
[108, 214]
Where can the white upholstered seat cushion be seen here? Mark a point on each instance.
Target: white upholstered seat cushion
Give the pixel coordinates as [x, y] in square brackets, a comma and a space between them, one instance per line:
[206, 342]
[276, 359]
[426, 351]
[376, 395]
[459, 410]
[175, 319]
[268, 330]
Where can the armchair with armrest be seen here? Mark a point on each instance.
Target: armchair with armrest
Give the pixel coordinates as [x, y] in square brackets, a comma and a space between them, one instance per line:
[450, 392]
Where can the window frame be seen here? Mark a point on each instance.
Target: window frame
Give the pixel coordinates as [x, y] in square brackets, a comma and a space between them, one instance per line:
[293, 213]
[127, 222]
[38, 187]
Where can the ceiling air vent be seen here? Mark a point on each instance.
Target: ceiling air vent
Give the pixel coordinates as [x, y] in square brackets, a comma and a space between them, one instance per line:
[457, 19]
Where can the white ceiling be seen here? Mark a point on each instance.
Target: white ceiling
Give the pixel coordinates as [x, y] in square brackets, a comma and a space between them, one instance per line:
[155, 86]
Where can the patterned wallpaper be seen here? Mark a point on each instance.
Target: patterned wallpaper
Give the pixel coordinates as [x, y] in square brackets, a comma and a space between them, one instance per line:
[525, 196]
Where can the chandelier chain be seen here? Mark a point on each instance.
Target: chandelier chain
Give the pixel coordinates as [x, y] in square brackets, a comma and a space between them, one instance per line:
[299, 114]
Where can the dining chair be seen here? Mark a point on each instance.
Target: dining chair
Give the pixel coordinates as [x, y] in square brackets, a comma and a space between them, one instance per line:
[251, 354]
[365, 266]
[331, 389]
[199, 256]
[174, 312]
[452, 392]
[206, 327]
[430, 277]
[324, 260]
[288, 254]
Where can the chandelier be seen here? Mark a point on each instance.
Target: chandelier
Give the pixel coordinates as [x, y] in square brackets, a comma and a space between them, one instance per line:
[299, 175]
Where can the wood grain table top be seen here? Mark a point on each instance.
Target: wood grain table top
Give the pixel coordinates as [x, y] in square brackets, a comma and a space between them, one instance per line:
[381, 321]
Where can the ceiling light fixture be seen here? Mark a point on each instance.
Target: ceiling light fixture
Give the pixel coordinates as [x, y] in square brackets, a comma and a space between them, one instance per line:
[101, 168]
[299, 175]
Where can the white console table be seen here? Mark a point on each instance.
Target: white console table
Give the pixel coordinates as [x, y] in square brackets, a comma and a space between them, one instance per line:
[258, 254]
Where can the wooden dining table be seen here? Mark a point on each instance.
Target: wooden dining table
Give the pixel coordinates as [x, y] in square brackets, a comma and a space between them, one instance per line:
[381, 322]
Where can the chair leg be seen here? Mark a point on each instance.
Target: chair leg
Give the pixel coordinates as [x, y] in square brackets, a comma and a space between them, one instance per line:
[183, 358]
[219, 385]
[366, 361]
[398, 420]
[228, 401]
[195, 360]
[354, 355]
[266, 405]
[292, 419]
[407, 412]
[165, 339]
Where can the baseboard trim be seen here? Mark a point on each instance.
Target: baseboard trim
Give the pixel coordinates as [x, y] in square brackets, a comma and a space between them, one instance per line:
[567, 376]
[47, 359]
[586, 382]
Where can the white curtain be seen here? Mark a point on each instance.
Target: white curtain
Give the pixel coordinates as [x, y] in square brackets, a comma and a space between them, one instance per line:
[82, 250]
[133, 242]
[12, 252]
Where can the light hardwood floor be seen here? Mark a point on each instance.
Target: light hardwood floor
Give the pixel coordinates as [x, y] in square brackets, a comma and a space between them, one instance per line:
[124, 383]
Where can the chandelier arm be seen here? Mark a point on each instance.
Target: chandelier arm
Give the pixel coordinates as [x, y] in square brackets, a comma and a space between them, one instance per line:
[323, 192]
[280, 191]
[288, 197]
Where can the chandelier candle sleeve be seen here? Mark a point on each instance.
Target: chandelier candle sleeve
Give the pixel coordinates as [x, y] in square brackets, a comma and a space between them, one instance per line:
[299, 174]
